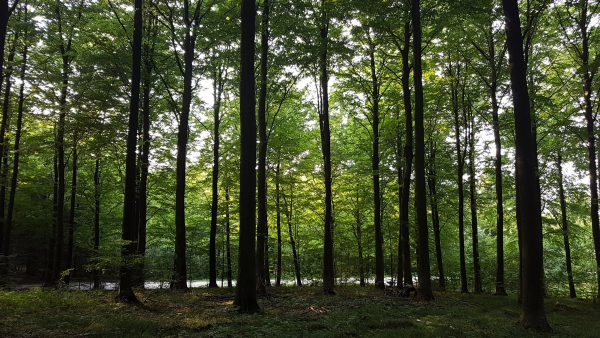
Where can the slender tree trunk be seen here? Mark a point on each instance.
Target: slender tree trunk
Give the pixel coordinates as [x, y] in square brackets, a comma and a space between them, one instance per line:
[73, 201]
[4, 16]
[477, 287]
[96, 272]
[262, 151]
[278, 209]
[420, 193]
[533, 314]
[328, 265]
[289, 215]
[358, 234]
[228, 230]
[379, 263]
[48, 274]
[246, 283]
[454, 77]
[435, 217]
[130, 223]
[17, 153]
[217, 91]
[408, 161]
[565, 225]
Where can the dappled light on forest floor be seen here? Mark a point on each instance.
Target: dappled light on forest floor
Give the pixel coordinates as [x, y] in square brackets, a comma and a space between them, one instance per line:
[289, 312]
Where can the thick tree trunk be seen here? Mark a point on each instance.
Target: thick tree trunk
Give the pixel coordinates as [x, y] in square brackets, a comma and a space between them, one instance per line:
[533, 314]
[73, 202]
[477, 287]
[420, 190]
[262, 152]
[97, 192]
[328, 265]
[130, 223]
[278, 210]
[435, 218]
[246, 283]
[455, 78]
[408, 162]
[17, 153]
[565, 225]
[217, 91]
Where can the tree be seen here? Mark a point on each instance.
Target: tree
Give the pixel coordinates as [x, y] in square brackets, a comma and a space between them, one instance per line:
[420, 193]
[564, 222]
[532, 288]
[246, 282]
[129, 231]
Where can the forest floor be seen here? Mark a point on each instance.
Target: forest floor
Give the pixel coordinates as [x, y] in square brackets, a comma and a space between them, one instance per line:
[287, 312]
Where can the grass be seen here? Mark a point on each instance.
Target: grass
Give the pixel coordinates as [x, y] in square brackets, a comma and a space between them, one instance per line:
[287, 312]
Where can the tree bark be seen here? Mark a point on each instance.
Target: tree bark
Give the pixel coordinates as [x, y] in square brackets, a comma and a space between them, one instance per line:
[73, 201]
[565, 224]
[262, 152]
[289, 215]
[97, 192]
[454, 84]
[17, 153]
[217, 93]
[278, 210]
[533, 314]
[130, 223]
[420, 193]
[379, 261]
[404, 246]
[246, 283]
[328, 266]
[477, 287]
[48, 274]
[4, 141]
[435, 217]
[228, 230]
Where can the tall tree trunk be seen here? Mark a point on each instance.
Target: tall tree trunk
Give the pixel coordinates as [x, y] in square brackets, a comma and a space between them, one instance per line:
[73, 201]
[420, 193]
[246, 283]
[328, 266]
[48, 274]
[228, 230]
[262, 151]
[4, 16]
[278, 209]
[565, 224]
[533, 314]
[435, 217]
[130, 223]
[4, 139]
[379, 263]
[477, 287]
[17, 153]
[96, 272]
[217, 91]
[455, 82]
[408, 161]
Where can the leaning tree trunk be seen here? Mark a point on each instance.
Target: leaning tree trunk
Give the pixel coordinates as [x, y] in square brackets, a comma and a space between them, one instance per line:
[130, 222]
[246, 283]
[532, 289]
[423, 268]
[565, 225]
